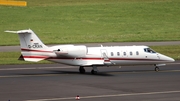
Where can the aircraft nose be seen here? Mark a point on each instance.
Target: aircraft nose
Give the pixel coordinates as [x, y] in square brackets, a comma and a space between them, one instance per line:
[171, 59]
[166, 58]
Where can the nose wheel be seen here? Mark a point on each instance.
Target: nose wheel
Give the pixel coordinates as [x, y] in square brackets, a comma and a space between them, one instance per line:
[156, 69]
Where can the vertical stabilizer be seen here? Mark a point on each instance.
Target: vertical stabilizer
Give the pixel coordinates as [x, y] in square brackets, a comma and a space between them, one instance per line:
[32, 48]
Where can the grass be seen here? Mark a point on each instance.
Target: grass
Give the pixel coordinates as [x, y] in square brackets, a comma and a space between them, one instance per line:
[172, 51]
[84, 21]
[12, 57]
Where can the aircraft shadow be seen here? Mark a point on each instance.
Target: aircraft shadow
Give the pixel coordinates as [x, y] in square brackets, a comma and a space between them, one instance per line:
[59, 72]
[87, 73]
[101, 73]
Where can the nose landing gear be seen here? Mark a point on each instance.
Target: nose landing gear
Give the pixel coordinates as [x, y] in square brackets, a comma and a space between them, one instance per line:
[156, 69]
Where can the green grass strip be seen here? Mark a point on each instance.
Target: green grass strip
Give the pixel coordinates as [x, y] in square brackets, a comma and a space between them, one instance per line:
[172, 51]
[88, 21]
[12, 58]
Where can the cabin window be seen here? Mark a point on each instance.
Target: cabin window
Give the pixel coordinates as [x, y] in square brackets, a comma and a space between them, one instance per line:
[118, 54]
[137, 53]
[124, 53]
[112, 54]
[131, 53]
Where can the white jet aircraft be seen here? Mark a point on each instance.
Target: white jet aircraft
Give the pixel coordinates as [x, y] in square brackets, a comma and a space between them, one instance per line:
[33, 49]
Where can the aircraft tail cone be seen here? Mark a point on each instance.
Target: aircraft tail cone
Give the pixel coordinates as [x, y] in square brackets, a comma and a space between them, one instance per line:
[77, 97]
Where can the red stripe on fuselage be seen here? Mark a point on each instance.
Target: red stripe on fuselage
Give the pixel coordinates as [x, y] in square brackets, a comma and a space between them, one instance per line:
[39, 57]
[69, 58]
[30, 50]
[134, 59]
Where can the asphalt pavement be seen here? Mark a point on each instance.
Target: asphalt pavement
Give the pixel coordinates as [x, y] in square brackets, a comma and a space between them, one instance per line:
[56, 82]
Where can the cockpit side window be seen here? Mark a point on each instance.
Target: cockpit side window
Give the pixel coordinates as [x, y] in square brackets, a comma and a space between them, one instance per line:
[149, 50]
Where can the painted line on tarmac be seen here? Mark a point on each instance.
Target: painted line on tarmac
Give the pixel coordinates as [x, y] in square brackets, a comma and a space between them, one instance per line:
[103, 96]
[143, 71]
[172, 71]
[36, 75]
[31, 75]
[175, 63]
[44, 75]
[4, 69]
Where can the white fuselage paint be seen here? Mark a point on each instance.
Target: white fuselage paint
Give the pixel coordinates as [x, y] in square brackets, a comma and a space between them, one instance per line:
[115, 55]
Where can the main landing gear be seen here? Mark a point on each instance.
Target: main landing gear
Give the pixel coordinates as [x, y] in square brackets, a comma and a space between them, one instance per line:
[93, 71]
[156, 69]
[82, 70]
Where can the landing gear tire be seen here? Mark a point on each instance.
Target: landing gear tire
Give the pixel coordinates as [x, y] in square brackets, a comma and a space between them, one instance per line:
[156, 69]
[82, 70]
[93, 72]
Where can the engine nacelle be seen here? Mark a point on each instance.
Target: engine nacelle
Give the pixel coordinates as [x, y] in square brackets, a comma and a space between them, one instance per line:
[72, 51]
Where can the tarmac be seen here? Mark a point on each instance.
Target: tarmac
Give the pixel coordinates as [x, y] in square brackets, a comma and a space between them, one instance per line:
[17, 48]
[57, 82]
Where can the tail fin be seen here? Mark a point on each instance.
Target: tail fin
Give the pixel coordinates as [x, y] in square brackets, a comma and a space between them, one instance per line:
[32, 48]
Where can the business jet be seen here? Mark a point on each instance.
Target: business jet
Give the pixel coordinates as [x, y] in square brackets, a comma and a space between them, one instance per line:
[34, 50]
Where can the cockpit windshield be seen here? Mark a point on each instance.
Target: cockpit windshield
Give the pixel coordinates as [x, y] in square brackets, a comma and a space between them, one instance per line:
[149, 50]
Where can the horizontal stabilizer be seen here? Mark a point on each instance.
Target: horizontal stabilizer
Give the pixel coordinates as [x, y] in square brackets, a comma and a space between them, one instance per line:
[19, 32]
[11, 31]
